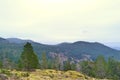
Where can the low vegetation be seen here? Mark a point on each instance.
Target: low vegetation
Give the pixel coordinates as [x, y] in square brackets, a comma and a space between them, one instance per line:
[47, 74]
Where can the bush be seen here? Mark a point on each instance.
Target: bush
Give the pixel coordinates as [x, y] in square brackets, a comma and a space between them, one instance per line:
[4, 71]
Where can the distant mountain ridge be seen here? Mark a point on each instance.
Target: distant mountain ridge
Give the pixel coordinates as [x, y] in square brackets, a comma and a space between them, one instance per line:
[118, 48]
[12, 48]
[17, 40]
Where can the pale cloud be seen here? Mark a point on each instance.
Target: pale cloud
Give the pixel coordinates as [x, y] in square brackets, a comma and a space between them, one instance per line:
[60, 20]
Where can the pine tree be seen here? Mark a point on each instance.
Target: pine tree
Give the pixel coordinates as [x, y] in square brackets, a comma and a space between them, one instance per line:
[44, 63]
[57, 62]
[113, 70]
[73, 66]
[8, 63]
[67, 65]
[87, 67]
[1, 64]
[19, 65]
[29, 59]
[100, 67]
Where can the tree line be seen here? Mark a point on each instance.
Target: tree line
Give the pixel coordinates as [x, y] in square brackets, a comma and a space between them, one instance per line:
[100, 68]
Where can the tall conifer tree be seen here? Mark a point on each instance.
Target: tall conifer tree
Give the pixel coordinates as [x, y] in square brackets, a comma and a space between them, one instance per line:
[44, 63]
[29, 59]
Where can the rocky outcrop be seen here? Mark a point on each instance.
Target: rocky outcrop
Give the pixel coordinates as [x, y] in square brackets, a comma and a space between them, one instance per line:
[3, 77]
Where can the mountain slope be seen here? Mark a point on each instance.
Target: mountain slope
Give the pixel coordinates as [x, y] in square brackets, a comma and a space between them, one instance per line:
[81, 48]
[16, 40]
[77, 50]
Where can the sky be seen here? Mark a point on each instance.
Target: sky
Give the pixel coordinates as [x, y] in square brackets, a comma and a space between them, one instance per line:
[56, 21]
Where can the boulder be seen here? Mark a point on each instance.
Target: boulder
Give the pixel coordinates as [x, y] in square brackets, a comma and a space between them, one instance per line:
[3, 77]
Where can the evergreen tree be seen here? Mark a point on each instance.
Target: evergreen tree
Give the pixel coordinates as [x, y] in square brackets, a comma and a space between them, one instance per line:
[100, 67]
[44, 64]
[73, 66]
[110, 67]
[1, 64]
[67, 65]
[8, 63]
[57, 63]
[49, 64]
[113, 70]
[19, 65]
[28, 59]
[88, 67]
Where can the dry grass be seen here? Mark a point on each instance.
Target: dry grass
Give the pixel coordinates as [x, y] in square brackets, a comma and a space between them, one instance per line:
[49, 74]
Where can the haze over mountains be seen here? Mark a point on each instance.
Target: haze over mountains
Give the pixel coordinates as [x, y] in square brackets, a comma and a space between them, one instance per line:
[115, 45]
[80, 50]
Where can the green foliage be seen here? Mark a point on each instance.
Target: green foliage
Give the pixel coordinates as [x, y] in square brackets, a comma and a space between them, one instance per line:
[25, 74]
[100, 67]
[28, 59]
[67, 65]
[95, 69]
[19, 65]
[113, 69]
[8, 64]
[5, 71]
[1, 64]
[44, 63]
[56, 63]
[88, 68]
[73, 66]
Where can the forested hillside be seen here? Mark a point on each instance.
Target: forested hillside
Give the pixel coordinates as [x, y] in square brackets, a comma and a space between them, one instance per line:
[28, 63]
[80, 50]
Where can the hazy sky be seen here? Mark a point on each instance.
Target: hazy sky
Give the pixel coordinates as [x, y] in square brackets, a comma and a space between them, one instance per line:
[54, 21]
